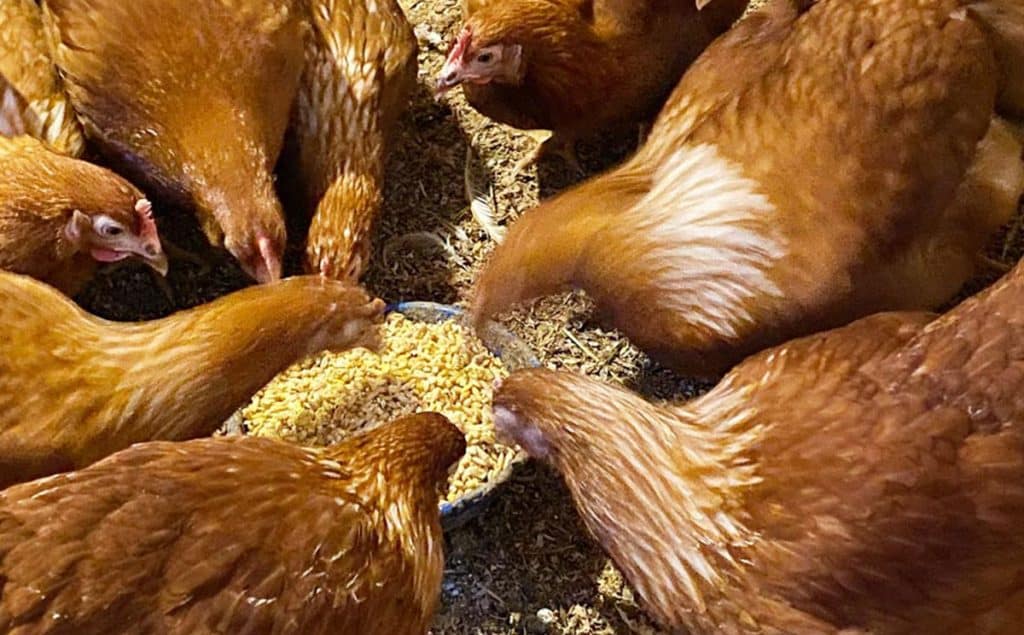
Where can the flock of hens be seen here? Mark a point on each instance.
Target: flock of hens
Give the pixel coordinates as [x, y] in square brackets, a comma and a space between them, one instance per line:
[838, 164]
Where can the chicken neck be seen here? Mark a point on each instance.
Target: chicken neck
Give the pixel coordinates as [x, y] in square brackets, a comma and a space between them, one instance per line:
[980, 338]
[542, 253]
[182, 376]
[338, 243]
[401, 467]
[682, 479]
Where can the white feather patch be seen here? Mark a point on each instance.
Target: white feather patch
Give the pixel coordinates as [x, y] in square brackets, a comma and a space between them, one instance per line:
[712, 239]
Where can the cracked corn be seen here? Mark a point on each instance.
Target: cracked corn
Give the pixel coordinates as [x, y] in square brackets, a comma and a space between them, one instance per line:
[420, 367]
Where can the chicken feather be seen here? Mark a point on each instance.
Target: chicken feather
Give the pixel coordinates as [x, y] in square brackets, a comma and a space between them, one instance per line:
[27, 69]
[74, 388]
[865, 479]
[234, 535]
[851, 162]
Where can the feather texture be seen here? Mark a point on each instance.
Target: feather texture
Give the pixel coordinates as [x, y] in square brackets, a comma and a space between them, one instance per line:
[360, 70]
[234, 535]
[27, 69]
[74, 388]
[866, 479]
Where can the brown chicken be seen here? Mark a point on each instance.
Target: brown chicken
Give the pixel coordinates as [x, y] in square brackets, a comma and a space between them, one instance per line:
[360, 70]
[59, 216]
[234, 535]
[807, 171]
[74, 388]
[191, 101]
[577, 66]
[864, 480]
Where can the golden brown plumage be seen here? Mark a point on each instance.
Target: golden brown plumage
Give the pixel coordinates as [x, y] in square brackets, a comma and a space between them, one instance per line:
[809, 169]
[577, 66]
[75, 388]
[360, 70]
[60, 215]
[191, 101]
[234, 535]
[27, 69]
[869, 478]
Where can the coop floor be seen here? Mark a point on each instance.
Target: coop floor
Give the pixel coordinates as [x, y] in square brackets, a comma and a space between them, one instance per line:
[526, 565]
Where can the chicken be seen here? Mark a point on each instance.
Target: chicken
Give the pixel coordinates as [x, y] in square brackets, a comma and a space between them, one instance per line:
[234, 535]
[191, 101]
[59, 216]
[75, 388]
[807, 171]
[576, 67]
[868, 479]
[360, 70]
[27, 71]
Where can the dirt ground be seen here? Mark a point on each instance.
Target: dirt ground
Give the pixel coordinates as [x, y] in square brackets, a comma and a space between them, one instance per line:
[525, 565]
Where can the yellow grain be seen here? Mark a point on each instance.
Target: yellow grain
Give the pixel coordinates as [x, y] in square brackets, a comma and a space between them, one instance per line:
[420, 367]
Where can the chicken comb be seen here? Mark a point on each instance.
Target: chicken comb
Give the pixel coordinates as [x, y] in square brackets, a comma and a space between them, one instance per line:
[460, 45]
[147, 226]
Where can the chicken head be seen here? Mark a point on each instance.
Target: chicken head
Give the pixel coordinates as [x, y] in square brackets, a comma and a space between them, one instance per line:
[481, 62]
[60, 215]
[339, 240]
[111, 235]
[258, 254]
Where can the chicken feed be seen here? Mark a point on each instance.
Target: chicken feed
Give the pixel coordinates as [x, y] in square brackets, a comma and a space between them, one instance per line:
[421, 366]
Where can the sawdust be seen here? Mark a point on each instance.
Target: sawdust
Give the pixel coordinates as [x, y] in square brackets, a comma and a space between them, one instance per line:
[525, 565]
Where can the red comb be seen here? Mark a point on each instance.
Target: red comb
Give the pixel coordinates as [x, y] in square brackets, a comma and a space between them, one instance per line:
[147, 226]
[460, 45]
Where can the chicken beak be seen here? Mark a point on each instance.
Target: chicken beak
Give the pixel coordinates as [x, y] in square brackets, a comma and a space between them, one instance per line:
[158, 263]
[451, 76]
[452, 73]
[268, 265]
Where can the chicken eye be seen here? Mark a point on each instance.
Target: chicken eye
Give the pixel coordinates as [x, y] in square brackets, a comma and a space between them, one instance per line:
[107, 227]
[485, 58]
